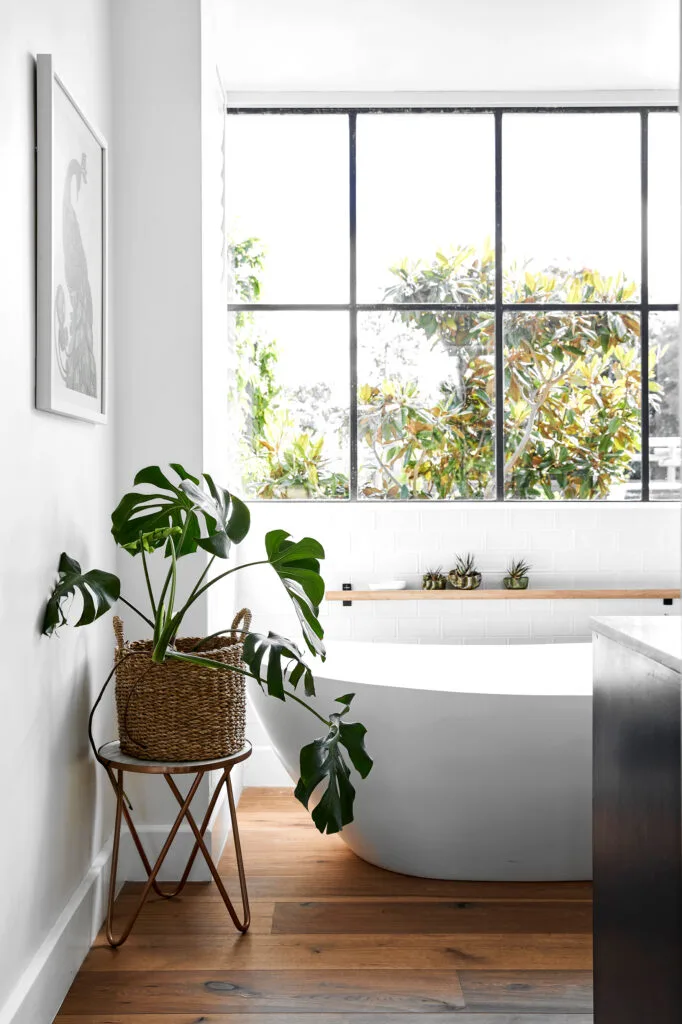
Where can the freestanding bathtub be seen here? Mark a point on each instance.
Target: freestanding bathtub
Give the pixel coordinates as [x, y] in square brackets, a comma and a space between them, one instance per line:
[482, 756]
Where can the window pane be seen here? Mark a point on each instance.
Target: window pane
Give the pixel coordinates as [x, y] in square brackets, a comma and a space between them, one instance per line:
[426, 192]
[664, 207]
[572, 405]
[287, 181]
[292, 393]
[664, 403]
[426, 388]
[571, 198]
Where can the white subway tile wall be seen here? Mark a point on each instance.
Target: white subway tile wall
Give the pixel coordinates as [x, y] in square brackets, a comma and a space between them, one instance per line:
[609, 545]
[612, 545]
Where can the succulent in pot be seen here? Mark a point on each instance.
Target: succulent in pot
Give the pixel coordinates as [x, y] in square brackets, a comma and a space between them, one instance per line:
[517, 575]
[465, 575]
[167, 520]
[433, 579]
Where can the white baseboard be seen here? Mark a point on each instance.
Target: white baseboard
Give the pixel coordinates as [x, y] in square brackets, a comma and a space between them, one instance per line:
[41, 989]
[264, 768]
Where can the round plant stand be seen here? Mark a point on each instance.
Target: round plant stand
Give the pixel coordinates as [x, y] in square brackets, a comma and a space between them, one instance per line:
[116, 764]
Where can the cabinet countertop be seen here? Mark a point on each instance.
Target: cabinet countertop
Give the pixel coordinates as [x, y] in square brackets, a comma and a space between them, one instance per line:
[658, 637]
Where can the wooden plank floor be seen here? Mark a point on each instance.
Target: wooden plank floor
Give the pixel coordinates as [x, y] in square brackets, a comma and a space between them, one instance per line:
[337, 941]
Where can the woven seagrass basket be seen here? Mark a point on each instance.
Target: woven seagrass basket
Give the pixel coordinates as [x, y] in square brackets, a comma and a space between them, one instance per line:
[176, 711]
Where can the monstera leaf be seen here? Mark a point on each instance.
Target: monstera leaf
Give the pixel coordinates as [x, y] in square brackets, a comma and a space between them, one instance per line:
[146, 514]
[274, 661]
[297, 565]
[227, 517]
[323, 759]
[99, 590]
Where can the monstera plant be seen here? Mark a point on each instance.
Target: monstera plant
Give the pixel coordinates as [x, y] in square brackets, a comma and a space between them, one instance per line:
[162, 518]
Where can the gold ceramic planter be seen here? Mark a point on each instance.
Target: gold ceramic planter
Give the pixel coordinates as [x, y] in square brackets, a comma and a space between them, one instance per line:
[515, 583]
[471, 582]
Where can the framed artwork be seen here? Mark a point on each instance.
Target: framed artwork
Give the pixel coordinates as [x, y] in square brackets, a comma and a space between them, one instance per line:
[71, 330]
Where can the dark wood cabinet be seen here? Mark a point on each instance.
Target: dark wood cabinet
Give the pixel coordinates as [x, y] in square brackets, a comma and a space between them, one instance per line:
[637, 824]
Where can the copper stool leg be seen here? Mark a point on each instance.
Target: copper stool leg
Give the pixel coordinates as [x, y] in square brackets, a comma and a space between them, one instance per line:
[118, 787]
[184, 809]
[242, 926]
[204, 825]
[152, 872]
[136, 839]
[238, 854]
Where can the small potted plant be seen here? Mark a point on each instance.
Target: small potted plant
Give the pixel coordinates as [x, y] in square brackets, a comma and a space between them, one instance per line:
[465, 575]
[517, 575]
[433, 579]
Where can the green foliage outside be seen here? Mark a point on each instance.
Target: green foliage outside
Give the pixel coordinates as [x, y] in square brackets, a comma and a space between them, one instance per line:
[572, 385]
[278, 459]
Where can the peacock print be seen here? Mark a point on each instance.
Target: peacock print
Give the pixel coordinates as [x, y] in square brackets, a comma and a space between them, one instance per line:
[73, 316]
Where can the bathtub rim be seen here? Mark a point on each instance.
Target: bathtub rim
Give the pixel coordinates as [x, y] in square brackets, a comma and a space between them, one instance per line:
[569, 676]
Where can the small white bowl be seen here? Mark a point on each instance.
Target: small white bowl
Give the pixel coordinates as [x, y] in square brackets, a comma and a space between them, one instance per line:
[388, 585]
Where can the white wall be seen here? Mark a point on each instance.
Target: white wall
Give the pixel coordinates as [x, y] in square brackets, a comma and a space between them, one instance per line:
[218, 454]
[157, 249]
[156, 255]
[168, 252]
[594, 545]
[171, 294]
[435, 45]
[62, 478]
[57, 492]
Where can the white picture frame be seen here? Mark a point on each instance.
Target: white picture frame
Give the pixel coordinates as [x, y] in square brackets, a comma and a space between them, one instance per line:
[71, 299]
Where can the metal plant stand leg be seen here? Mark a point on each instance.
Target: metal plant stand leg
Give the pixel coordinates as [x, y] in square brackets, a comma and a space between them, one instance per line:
[133, 832]
[242, 926]
[107, 756]
[238, 855]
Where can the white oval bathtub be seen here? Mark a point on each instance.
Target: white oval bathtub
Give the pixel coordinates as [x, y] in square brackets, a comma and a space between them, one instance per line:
[482, 756]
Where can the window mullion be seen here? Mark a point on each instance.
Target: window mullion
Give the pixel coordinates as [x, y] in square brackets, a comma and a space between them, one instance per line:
[353, 313]
[499, 322]
[644, 308]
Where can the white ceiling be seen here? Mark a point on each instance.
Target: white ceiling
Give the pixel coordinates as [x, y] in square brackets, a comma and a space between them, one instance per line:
[450, 45]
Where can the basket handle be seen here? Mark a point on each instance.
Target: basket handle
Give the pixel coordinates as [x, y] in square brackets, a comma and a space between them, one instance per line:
[242, 616]
[118, 632]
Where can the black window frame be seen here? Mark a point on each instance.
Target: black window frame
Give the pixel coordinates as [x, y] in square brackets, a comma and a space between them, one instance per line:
[498, 306]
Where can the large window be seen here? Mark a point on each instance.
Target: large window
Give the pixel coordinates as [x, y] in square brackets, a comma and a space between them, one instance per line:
[455, 304]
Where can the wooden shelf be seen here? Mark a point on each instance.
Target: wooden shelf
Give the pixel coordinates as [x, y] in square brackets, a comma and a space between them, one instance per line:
[503, 595]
